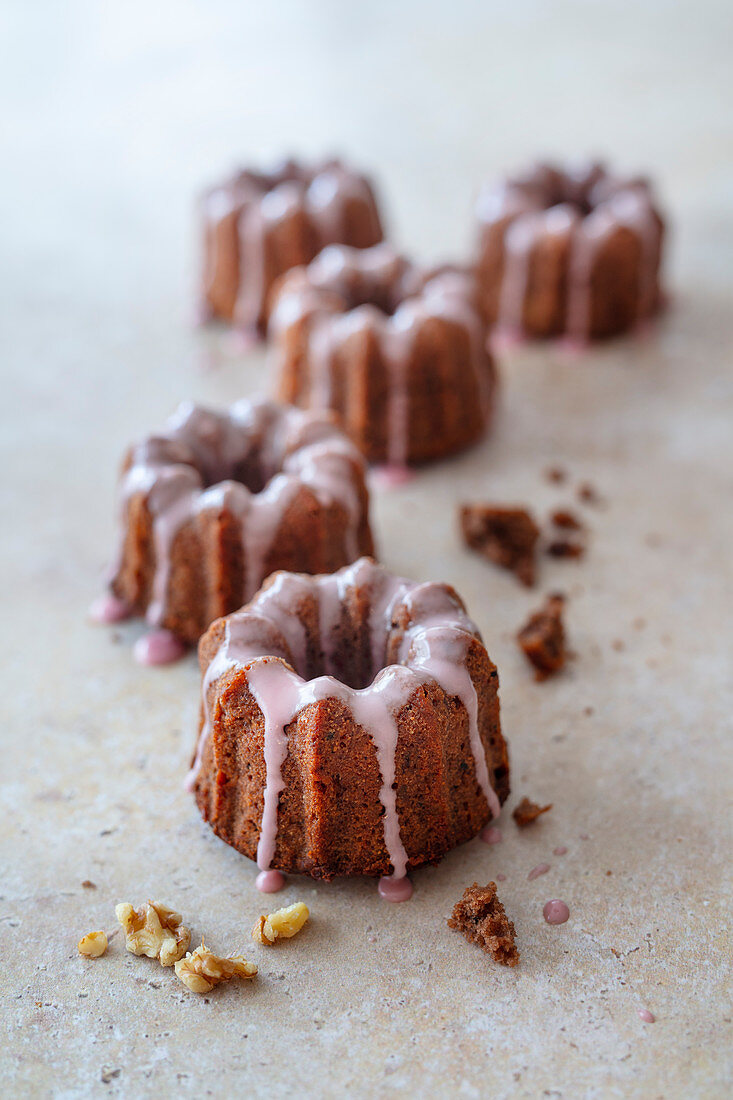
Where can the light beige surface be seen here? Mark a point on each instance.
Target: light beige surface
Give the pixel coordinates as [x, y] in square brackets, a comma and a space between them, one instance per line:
[112, 117]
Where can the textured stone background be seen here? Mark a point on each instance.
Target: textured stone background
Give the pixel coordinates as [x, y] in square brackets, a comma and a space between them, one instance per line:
[113, 116]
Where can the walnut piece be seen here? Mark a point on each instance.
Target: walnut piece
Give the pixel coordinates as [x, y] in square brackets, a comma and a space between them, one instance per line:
[154, 930]
[201, 970]
[93, 945]
[283, 924]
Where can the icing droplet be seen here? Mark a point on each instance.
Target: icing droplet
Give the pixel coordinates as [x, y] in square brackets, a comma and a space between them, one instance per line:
[269, 882]
[242, 340]
[160, 647]
[490, 834]
[391, 477]
[504, 340]
[572, 346]
[559, 851]
[395, 889]
[540, 869]
[108, 609]
[555, 911]
[647, 1016]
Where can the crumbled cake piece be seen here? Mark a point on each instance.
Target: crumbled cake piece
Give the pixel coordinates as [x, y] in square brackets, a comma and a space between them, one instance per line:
[201, 969]
[556, 474]
[92, 945]
[542, 638]
[283, 924]
[506, 536]
[528, 811]
[481, 917]
[565, 548]
[563, 517]
[588, 494]
[89, 885]
[154, 930]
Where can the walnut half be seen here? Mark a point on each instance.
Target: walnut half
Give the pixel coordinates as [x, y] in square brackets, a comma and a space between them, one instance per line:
[283, 924]
[93, 945]
[201, 969]
[154, 930]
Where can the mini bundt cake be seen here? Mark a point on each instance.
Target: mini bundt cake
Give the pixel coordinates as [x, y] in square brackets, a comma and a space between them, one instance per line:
[398, 353]
[217, 501]
[350, 725]
[565, 252]
[258, 225]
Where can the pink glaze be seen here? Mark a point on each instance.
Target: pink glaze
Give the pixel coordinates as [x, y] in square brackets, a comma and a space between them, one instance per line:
[500, 878]
[395, 889]
[645, 1015]
[108, 609]
[503, 340]
[556, 911]
[242, 340]
[160, 647]
[572, 346]
[540, 869]
[269, 882]
[560, 851]
[392, 477]
[490, 834]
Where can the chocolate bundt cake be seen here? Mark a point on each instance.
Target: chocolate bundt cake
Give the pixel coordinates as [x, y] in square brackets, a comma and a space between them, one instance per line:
[569, 252]
[350, 725]
[257, 225]
[398, 353]
[217, 501]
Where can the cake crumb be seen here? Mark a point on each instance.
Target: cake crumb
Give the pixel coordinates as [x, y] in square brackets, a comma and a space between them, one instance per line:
[563, 517]
[504, 535]
[201, 969]
[542, 638]
[481, 918]
[565, 548]
[89, 885]
[154, 930]
[588, 493]
[556, 475]
[92, 945]
[283, 924]
[528, 811]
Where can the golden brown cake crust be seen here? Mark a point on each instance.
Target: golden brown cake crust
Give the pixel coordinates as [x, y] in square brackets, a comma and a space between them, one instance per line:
[330, 817]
